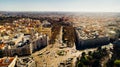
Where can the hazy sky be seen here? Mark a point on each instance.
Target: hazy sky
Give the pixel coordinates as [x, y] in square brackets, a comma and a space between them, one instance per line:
[61, 5]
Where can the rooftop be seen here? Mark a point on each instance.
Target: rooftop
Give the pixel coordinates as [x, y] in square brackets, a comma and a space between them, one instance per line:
[5, 61]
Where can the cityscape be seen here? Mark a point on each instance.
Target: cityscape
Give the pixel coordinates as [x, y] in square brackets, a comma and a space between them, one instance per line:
[59, 38]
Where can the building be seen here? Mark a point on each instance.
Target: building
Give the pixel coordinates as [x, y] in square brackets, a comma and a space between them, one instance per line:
[92, 43]
[39, 43]
[84, 41]
[26, 48]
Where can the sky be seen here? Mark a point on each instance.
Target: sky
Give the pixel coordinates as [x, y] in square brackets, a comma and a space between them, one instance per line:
[61, 5]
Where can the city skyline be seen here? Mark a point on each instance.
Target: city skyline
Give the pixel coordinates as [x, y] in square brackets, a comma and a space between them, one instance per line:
[61, 5]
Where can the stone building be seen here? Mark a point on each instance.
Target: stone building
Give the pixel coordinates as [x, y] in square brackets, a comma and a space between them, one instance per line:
[27, 49]
[39, 43]
[92, 43]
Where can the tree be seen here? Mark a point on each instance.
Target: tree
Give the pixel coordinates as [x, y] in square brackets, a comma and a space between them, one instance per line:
[96, 63]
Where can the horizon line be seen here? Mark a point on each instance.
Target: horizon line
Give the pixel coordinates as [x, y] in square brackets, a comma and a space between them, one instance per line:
[64, 11]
